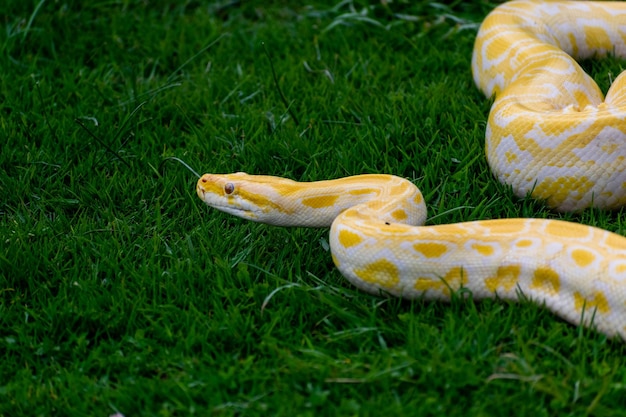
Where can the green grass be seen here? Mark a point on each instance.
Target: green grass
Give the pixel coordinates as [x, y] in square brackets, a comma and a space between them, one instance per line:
[122, 292]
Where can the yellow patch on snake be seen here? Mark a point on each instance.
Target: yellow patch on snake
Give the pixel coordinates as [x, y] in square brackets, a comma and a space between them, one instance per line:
[361, 191]
[610, 148]
[583, 257]
[547, 280]
[431, 250]
[617, 270]
[566, 230]
[574, 43]
[507, 228]
[615, 241]
[556, 130]
[454, 279]
[597, 38]
[506, 277]
[485, 250]
[399, 215]
[598, 303]
[260, 201]
[510, 156]
[320, 201]
[424, 284]
[524, 243]
[382, 273]
[561, 187]
[348, 238]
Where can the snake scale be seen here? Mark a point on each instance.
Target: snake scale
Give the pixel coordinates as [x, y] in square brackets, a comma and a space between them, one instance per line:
[550, 134]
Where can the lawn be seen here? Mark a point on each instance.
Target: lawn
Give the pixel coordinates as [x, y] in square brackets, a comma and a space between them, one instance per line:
[121, 292]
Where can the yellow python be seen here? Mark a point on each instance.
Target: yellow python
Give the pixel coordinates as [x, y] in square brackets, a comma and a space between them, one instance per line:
[549, 133]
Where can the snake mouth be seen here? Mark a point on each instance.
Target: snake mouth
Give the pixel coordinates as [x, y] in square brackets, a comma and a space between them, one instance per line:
[200, 192]
[237, 211]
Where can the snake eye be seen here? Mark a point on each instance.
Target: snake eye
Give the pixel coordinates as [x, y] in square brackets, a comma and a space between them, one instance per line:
[229, 188]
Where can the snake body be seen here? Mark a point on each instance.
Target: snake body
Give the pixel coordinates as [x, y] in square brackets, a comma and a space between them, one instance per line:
[549, 133]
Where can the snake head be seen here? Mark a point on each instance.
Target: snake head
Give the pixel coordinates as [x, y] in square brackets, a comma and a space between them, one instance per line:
[251, 197]
[222, 191]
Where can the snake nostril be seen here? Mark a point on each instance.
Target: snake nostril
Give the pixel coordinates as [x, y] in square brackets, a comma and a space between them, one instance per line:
[204, 180]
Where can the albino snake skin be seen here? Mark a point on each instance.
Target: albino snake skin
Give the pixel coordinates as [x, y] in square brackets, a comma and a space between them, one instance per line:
[549, 133]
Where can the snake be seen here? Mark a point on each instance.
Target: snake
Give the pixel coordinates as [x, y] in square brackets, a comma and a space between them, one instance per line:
[550, 134]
